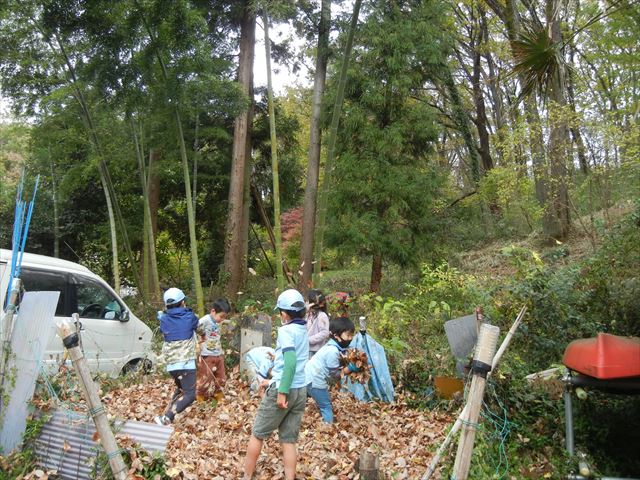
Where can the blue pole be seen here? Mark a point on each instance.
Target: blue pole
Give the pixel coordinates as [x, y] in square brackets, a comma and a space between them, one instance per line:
[26, 225]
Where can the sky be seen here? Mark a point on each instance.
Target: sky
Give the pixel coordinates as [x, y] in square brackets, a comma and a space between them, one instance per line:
[281, 75]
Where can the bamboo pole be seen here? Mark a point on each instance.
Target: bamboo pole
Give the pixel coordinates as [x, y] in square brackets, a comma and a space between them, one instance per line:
[99, 415]
[463, 415]
[507, 339]
[482, 361]
[274, 158]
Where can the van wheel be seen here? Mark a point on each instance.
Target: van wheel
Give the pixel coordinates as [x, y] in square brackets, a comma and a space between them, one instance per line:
[137, 366]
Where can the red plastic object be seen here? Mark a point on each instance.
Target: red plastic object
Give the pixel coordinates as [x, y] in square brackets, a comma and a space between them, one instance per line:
[604, 357]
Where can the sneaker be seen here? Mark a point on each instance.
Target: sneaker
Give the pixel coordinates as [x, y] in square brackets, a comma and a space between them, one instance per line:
[162, 420]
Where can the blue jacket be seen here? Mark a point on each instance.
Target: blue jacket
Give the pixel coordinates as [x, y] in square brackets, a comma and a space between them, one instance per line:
[178, 324]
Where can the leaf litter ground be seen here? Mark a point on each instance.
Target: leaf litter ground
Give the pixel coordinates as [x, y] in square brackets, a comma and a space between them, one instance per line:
[209, 441]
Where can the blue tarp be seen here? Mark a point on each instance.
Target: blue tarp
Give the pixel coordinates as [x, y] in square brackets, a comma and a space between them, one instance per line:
[380, 386]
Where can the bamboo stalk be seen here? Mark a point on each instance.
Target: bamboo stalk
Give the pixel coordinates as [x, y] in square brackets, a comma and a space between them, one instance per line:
[274, 158]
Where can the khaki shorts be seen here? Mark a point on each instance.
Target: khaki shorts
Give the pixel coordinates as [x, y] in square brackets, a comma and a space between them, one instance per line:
[286, 420]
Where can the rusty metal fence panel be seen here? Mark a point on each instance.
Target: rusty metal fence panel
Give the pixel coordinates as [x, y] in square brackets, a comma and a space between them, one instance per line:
[66, 442]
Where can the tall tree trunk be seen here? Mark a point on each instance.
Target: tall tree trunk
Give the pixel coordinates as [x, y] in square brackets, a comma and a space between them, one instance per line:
[575, 129]
[376, 272]
[478, 99]
[508, 13]
[331, 144]
[235, 230]
[315, 142]
[538, 155]
[461, 119]
[558, 200]
[151, 198]
[495, 92]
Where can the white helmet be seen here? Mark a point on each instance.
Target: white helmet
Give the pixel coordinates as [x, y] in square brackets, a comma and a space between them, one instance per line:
[173, 296]
[290, 300]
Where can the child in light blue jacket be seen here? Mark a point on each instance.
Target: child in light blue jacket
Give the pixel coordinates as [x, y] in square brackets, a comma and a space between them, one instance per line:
[325, 365]
[259, 363]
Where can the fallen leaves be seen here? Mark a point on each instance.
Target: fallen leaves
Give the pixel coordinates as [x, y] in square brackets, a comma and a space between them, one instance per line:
[360, 360]
[210, 441]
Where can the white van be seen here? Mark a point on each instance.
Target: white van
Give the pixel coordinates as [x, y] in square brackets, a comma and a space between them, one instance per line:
[114, 340]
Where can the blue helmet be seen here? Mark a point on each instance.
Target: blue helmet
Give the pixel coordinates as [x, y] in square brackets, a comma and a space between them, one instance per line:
[290, 300]
[173, 296]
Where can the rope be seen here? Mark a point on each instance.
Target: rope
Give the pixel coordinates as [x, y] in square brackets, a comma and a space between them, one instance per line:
[501, 431]
[501, 427]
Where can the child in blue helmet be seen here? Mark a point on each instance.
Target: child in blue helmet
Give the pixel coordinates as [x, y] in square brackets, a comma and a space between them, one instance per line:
[178, 325]
[285, 398]
[325, 365]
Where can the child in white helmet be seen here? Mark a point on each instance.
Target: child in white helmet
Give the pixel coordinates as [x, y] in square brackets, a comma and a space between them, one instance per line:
[285, 398]
[178, 325]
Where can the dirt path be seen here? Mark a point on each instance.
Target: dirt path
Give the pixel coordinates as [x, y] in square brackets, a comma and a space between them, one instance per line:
[210, 442]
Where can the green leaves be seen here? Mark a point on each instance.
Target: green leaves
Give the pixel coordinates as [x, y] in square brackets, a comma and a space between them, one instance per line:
[537, 60]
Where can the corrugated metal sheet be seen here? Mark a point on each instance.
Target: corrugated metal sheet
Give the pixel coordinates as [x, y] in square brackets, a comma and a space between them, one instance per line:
[33, 329]
[66, 442]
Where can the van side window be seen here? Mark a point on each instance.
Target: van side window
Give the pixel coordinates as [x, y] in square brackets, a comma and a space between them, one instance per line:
[95, 301]
[46, 281]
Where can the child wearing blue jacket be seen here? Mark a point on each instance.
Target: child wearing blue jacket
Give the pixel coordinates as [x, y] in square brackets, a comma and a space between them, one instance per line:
[178, 325]
[325, 365]
[284, 401]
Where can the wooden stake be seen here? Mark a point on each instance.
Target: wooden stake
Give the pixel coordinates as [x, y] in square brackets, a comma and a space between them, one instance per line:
[90, 392]
[482, 361]
[463, 415]
[369, 466]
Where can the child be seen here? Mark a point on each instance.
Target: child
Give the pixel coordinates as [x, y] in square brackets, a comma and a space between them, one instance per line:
[211, 361]
[283, 405]
[178, 325]
[259, 362]
[326, 364]
[317, 321]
